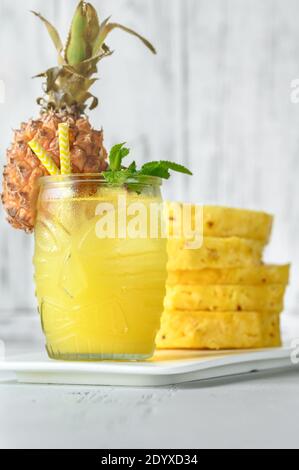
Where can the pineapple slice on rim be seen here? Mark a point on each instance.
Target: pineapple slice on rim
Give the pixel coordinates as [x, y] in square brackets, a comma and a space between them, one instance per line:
[66, 99]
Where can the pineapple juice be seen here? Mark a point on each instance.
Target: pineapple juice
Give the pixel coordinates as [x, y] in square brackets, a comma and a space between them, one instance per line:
[99, 298]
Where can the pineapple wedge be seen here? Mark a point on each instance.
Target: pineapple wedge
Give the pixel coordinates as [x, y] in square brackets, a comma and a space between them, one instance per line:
[218, 330]
[250, 276]
[214, 253]
[220, 221]
[225, 298]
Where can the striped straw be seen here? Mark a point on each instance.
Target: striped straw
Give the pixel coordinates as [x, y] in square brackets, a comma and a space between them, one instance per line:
[64, 146]
[44, 157]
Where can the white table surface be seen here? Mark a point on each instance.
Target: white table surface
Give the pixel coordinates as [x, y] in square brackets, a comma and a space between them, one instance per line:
[256, 411]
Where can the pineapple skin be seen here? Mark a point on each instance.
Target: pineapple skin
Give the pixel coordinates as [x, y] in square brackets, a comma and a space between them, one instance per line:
[23, 168]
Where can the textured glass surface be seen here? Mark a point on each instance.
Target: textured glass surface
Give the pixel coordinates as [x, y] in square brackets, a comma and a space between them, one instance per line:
[98, 298]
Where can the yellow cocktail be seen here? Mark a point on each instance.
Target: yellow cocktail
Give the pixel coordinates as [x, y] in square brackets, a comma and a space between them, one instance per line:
[100, 294]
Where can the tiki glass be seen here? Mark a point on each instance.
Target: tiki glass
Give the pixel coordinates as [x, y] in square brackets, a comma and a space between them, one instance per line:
[100, 277]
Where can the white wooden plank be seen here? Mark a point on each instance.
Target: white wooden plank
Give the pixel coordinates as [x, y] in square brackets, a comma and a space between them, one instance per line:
[23, 56]
[136, 90]
[216, 97]
[243, 127]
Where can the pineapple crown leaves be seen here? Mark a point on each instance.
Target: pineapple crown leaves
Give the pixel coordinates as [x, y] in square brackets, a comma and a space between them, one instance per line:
[118, 174]
[67, 85]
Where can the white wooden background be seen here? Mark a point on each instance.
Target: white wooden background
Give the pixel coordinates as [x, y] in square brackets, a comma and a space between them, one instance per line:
[217, 98]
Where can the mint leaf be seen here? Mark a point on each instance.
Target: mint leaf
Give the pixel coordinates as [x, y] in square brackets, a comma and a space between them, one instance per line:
[117, 154]
[155, 169]
[176, 167]
[117, 177]
[161, 169]
[132, 168]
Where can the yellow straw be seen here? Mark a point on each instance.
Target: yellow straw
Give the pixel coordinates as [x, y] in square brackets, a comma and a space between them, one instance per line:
[44, 157]
[64, 146]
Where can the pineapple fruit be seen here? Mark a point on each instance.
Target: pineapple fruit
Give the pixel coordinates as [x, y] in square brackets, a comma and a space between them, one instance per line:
[221, 295]
[252, 276]
[218, 298]
[227, 222]
[67, 98]
[218, 330]
[214, 253]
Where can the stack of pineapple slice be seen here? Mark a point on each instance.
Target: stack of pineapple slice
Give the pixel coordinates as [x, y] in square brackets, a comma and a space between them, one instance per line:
[221, 295]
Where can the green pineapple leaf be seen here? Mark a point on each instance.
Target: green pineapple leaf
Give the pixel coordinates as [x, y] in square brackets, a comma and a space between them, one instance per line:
[76, 47]
[84, 32]
[68, 85]
[53, 34]
[106, 29]
[93, 25]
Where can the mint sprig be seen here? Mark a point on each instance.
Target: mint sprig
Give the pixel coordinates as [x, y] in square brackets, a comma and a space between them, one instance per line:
[118, 174]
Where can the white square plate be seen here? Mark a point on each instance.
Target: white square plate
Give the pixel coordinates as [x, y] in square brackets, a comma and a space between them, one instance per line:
[166, 367]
